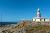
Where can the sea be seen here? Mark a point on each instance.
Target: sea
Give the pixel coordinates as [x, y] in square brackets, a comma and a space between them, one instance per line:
[7, 23]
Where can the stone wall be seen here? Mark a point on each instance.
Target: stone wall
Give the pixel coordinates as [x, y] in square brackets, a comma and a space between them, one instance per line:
[41, 23]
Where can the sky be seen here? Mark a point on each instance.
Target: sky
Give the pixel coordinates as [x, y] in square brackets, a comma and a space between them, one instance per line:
[14, 10]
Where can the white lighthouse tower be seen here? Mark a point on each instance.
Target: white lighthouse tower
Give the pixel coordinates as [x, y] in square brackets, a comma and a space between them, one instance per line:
[38, 17]
[38, 13]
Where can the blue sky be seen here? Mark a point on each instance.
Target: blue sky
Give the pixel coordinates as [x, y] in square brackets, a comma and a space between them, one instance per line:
[14, 10]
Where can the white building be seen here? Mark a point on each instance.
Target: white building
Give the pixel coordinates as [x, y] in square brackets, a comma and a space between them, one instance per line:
[39, 18]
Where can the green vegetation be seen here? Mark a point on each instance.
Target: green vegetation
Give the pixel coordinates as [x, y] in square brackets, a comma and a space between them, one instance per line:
[38, 29]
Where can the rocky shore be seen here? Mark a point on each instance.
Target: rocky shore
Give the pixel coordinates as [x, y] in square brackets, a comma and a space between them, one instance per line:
[27, 27]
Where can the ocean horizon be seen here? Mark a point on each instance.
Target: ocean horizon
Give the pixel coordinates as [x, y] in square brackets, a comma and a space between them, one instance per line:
[7, 23]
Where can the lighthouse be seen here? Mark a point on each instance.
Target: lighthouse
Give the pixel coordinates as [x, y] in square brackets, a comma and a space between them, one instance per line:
[39, 18]
[38, 13]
